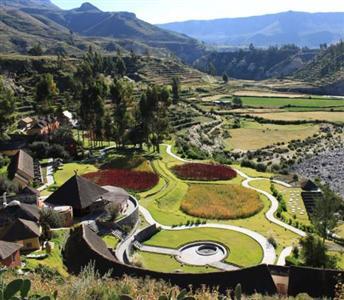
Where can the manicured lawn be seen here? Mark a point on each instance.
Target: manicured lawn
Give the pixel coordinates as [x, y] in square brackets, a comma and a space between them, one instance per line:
[255, 136]
[67, 171]
[110, 241]
[335, 116]
[54, 260]
[243, 250]
[286, 192]
[252, 172]
[340, 230]
[220, 202]
[279, 102]
[153, 261]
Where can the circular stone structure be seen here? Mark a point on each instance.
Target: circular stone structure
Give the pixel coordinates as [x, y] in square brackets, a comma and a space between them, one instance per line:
[201, 253]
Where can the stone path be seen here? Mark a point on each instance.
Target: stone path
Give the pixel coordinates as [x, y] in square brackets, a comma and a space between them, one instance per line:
[223, 266]
[284, 253]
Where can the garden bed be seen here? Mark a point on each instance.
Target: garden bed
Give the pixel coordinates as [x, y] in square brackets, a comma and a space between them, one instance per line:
[136, 181]
[220, 202]
[203, 172]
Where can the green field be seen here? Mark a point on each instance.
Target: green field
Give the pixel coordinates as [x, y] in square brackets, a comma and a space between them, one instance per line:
[67, 171]
[243, 250]
[302, 102]
[153, 261]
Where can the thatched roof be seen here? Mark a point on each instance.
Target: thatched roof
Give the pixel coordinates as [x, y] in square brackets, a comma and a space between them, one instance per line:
[21, 230]
[96, 243]
[16, 209]
[77, 192]
[115, 195]
[7, 249]
[24, 164]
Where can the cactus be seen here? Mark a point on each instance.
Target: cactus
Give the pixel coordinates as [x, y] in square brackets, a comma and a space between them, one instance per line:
[11, 290]
[237, 292]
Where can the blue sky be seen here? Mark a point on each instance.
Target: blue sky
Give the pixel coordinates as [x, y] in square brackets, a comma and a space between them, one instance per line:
[161, 11]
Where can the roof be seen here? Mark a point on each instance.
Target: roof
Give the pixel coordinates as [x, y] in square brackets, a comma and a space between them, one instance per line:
[22, 210]
[7, 249]
[96, 243]
[25, 163]
[77, 192]
[115, 195]
[309, 185]
[21, 230]
[27, 120]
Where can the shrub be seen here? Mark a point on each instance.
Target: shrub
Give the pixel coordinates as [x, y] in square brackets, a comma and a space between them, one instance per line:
[204, 172]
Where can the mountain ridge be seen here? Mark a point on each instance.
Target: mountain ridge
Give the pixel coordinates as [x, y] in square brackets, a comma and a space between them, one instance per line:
[300, 28]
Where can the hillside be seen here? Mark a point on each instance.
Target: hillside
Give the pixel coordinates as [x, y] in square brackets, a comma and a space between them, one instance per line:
[257, 64]
[302, 29]
[32, 21]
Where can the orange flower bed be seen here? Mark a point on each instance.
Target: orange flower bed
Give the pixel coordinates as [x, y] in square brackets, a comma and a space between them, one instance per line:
[221, 202]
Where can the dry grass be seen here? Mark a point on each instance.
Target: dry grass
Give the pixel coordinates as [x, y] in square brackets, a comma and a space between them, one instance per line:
[314, 115]
[221, 202]
[264, 135]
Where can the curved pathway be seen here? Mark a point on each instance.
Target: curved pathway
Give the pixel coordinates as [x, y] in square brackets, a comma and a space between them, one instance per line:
[272, 210]
[269, 254]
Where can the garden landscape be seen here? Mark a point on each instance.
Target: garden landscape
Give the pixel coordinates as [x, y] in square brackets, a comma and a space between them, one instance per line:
[142, 161]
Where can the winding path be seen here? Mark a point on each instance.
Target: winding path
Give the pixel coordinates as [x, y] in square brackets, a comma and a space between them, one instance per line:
[269, 255]
[270, 214]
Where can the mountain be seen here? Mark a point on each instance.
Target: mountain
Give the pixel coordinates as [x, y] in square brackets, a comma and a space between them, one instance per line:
[299, 28]
[255, 63]
[40, 20]
[326, 70]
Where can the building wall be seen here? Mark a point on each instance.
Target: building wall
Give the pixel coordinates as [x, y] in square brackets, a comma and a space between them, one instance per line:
[12, 261]
[30, 244]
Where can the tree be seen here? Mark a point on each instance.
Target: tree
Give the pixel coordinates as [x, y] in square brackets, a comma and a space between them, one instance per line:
[324, 216]
[314, 253]
[122, 97]
[237, 102]
[225, 78]
[7, 109]
[36, 50]
[175, 89]
[46, 89]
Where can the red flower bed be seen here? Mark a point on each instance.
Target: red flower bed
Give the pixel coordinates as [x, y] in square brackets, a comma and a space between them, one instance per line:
[204, 172]
[127, 179]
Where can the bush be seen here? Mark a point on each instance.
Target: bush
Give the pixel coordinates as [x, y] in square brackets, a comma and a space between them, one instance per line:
[51, 218]
[272, 241]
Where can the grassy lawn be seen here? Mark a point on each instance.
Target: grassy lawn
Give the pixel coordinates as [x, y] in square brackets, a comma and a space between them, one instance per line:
[243, 250]
[335, 116]
[54, 260]
[220, 201]
[67, 171]
[110, 241]
[153, 261]
[252, 172]
[255, 136]
[279, 102]
[286, 192]
[340, 230]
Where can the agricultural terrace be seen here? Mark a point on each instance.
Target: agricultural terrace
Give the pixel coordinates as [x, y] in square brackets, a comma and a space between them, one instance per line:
[253, 135]
[203, 172]
[137, 181]
[234, 241]
[330, 116]
[275, 102]
[221, 202]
